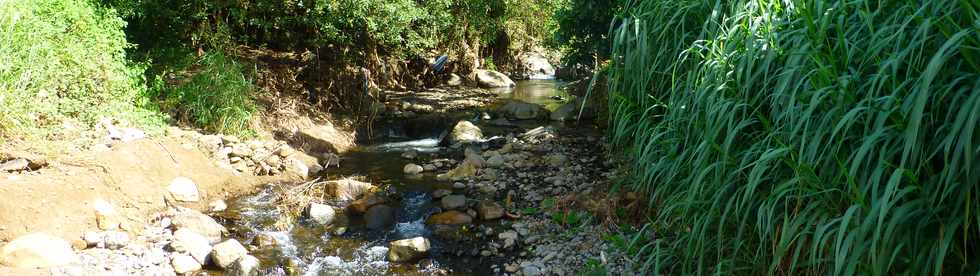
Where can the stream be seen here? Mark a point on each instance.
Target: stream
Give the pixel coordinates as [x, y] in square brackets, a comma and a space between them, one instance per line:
[309, 249]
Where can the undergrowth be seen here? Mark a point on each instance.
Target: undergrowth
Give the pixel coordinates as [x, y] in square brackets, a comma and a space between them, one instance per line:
[801, 137]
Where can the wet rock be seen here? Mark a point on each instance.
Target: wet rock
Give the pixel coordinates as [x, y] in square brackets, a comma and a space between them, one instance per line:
[193, 244]
[198, 223]
[412, 169]
[493, 79]
[408, 249]
[263, 240]
[321, 213]
[465, 132]
[453, 202]
[440, 193]
[183, 264]
[218, 206]
[247, 265]
[412, 154]
[227, 253]
[184, 189]
[450, 218]
[522, 110]
[361, 206]
[37, 251]
[18, 164]
[347, 189]
[379, 217]
[489, 210]
[106, 217]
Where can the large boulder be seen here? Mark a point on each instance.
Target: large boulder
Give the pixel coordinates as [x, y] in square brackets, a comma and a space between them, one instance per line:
[493, 79]
[225, 254]
[321, 213]
[520, 110]
[450, 218]
[199, 223]
[538, 67]
[195, 245]
[37, 251]
[184, 189]
[465, 132]
[184, 264]
[408, 249]
[347, 189]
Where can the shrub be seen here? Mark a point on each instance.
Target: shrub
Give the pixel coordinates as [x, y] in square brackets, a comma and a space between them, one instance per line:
[64, 60]
[802, 137]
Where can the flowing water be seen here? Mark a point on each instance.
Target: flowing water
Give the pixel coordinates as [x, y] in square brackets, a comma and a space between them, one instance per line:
[308, 249]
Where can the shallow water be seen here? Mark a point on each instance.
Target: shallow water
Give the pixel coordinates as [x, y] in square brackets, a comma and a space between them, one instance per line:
[307, 249]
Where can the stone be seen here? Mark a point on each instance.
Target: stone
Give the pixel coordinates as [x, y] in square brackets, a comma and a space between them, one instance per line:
[285, 151]
[464, 170]
[509, 238]
[557, 160]
[218, 206]
[230, 139]
[241, 150]
[184, 189]
[450, 218]
[412, 169]
[520, 110]
[379, 216]
[93, 239]
[116, 239]
[489, 210]
[493, 79]
[263, 240]
[37, 251]
[440, 193]
[347, 189]
[531, 270]
[247, 265]
[106, 217]
[210, 142]
[411, 154]
[227, 253]
[453, 202]
[193, 244]
[473, 157]
[537, 67]
[408, 249]
[496, 160]
[361, 205]
[199, 223]
[321, 213]
[465, 132]
[298, 168]
[454, 80]
[570, 111]
[18, 164]
[184, 264]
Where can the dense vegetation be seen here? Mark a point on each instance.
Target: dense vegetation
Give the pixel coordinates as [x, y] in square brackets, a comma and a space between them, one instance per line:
[802, 137]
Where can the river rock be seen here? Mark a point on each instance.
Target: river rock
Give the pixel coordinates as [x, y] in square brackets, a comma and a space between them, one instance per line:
[454, 80]
[106, 217]
[264, 240]
[453, 201]
[408, 249]
[361, 206]
[496, 160]
[184, 264]
[37, 251]
[465, 132]
[489, 210]
[199, 223]
[520, 110]
[193, 244]
[509, 238]
[441, 193]
[379, 216]
[472, 156]
[449, 218]
[298, 168]
[411, 154]
[347, 189]
[116, 239]
[464, 170]
[18, 164]
[321, 213]
[413, 169]
[493, 79]
[530, 270]
[210, 142]
[227, 253]
[184, 189]
[247, 265]
[570, 111]
[537, 67]
[218, 206]
[557, 160]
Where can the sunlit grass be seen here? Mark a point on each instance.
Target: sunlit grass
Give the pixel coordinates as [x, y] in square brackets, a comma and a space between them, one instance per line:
[802, 137]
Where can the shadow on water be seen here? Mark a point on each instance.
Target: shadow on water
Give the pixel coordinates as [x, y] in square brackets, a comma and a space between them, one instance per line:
[308, 249]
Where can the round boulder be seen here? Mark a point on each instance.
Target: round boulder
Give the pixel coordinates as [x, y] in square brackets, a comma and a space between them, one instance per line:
[37, 251]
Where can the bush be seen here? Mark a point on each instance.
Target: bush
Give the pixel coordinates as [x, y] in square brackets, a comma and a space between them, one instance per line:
[802, 137]
[217, 96]
[64, 60]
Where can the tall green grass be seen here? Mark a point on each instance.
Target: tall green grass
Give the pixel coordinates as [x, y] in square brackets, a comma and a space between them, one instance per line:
[802, 137]
[65, 61]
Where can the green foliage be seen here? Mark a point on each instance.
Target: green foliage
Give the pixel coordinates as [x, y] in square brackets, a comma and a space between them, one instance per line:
[65, 60]
[217, 97]
[802, 137]
[488, 63]
[582, 29]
